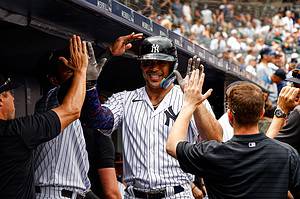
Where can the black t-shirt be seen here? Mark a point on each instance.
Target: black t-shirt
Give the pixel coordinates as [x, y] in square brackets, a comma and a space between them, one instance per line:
[247, 166]
[290, 133]
[101, 153]
[18, 139]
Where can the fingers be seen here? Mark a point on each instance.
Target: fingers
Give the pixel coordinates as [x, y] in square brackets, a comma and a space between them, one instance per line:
[84, 48]
[132, 37]
[91, 52]
[189, 66]
[79, 44]
[207, 94]
[178, 76]
[193, 64]
[66, 62]
[73, 45]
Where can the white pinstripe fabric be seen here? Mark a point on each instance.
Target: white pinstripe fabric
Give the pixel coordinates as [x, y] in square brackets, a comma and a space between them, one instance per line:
[146, 163]
[63, 162]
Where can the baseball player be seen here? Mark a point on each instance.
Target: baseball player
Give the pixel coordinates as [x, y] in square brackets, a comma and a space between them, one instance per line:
[146, 116]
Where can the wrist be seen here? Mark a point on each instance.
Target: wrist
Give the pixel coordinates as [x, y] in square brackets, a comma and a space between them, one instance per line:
[280, 113]
[90, 84]
[188, 108]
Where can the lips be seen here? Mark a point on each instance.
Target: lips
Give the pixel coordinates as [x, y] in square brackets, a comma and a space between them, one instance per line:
[155, 76]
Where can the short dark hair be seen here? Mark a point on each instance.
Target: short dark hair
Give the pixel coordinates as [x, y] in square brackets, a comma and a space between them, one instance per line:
[52, 63]
[246, 102]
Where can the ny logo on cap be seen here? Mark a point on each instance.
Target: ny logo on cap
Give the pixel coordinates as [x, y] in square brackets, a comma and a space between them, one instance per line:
[155, 48]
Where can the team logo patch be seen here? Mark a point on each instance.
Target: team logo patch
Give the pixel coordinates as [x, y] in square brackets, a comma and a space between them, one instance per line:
[155, 48]
[170, 115]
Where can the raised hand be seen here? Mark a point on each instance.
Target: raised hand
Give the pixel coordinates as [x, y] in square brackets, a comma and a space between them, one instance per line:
[288, 98]
[193, 64]
[122, 44]
[78, 60]
[193, 89]
[94, 69]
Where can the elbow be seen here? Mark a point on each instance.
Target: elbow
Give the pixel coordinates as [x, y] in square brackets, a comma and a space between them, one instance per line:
[171, 150]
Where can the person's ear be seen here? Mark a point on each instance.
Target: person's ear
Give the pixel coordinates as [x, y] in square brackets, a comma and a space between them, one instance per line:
[230, 116]
[262, 113]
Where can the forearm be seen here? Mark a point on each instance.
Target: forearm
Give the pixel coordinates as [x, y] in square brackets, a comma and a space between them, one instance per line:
[276, 125]
[94, 115]
[207, 124]
[179, 130]
[72, 103]
[109, 183]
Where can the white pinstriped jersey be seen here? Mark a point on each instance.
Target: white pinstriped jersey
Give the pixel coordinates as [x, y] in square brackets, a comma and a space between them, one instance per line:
[63, 161]
[145, 131]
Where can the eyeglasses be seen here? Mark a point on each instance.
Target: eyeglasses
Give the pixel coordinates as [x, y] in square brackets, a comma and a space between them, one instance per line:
[146, 63]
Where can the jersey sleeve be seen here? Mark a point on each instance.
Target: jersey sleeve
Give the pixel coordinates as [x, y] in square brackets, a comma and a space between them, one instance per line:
[116, 105]
[193, 157]
[37, 128]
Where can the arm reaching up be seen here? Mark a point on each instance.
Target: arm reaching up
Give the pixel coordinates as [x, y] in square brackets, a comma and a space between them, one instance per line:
[71, 106]
[193, 97]
[205, 121]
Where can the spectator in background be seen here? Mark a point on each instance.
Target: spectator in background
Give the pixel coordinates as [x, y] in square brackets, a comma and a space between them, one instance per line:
[251, 65]
[288, 21]
[187, 12]
[233, 41]
[218, 44]
[279, 79]
[177, 12]
[197, 28]
[206, 15]
[264, 71]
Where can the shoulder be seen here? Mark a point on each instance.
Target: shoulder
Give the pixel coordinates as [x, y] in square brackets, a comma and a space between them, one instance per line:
[283, 146]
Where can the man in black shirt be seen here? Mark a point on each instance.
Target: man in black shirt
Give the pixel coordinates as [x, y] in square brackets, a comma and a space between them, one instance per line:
[250, 165]
[20, 136]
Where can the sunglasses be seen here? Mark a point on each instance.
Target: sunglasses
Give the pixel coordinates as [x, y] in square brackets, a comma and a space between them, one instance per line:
[146, 63]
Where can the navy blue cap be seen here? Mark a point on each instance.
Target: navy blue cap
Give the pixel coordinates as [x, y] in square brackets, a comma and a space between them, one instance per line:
[267, 51]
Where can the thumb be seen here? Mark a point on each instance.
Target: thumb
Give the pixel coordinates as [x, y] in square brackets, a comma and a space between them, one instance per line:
[207, 94]
[128, 46]
[66, 62]
[178, 76]
[101, 63]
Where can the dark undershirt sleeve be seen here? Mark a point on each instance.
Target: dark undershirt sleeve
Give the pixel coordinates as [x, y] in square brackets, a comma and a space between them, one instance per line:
[37, 128]
[105, 151]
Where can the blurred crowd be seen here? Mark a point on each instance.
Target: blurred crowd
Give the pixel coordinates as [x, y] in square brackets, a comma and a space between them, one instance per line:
[259, 46]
